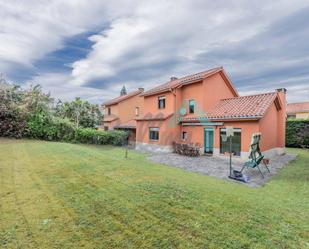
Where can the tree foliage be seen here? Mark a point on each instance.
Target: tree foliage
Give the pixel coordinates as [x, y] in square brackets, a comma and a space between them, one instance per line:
[32, 113]
[80, 112]
[297, 133]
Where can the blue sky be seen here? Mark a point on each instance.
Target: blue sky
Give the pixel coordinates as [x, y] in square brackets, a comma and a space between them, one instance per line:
[91, 48]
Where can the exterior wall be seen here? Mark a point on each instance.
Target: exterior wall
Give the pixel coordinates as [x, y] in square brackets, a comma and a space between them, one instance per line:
[269, 129]
[247, 129]
[110, 124]
[193, 91]
[215, 89]
[125, 111]
[272, 126]
[206, 94]
[269, 144]
[196, 135]
[302, 115]
[168, 131]
[151, 104]
[114, 109]
[126, 108]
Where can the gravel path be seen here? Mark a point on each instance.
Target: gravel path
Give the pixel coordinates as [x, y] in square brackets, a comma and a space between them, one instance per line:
[219, 167]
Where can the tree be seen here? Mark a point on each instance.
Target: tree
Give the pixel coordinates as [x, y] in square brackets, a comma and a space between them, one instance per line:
[82, 113]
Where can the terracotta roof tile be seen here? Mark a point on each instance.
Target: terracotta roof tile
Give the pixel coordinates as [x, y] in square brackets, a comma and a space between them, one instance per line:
[157, 116]
[122, 98]
[253, 106]
[131, 124]
[109, 118]
[297, 107]
[181, 81]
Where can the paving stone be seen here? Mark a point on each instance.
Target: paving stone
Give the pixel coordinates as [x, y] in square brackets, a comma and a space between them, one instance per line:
[219, 166]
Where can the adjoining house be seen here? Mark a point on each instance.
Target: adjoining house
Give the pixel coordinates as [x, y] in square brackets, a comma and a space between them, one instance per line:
[198, 108]
[298, 110]
[120, 112]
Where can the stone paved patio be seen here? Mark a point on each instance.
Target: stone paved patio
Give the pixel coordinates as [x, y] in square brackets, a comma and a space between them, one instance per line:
[219, 166]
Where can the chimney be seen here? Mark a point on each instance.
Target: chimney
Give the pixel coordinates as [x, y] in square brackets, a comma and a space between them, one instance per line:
[281, 90]
[281, 118]
[173, 78]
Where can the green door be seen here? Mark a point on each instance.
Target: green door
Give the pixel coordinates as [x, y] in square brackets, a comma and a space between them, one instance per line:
[208, 140]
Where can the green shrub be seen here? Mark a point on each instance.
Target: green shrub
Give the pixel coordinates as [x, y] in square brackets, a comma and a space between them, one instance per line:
[297, 133]
[92, 136]
[31, 113]
[12, 124]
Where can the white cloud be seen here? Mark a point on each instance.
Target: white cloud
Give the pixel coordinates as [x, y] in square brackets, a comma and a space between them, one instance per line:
[145, 42]
[59, 86]
[31, 29]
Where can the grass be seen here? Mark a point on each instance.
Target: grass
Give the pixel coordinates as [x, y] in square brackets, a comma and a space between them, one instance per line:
[57, 195]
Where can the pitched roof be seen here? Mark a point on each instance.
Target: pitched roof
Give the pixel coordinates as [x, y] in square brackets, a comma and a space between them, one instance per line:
[184, 81]
[109, 118]
[158, 116]
[122, 98]
[245, 107]
[131, 124]
[297, 107]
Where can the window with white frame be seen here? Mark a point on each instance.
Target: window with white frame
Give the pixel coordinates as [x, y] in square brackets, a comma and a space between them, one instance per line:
[161, 102]
[191, 105]
[154, 133]
[136, 111]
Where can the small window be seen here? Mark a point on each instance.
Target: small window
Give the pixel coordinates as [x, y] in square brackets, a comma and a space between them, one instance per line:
[109, 112]
[154, 134]
[136, 111]
[161, 102]
[191, 105]
[105, 128]
[184, 135]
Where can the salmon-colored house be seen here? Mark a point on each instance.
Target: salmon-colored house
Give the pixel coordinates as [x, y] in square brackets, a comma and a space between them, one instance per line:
[298, 110]
[198, 108]
[121, 112]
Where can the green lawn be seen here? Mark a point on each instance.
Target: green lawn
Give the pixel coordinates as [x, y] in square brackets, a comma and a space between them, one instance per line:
[57, 195]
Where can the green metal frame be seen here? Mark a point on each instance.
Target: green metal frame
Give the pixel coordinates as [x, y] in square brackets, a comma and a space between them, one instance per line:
[255, 155]
[210, 139]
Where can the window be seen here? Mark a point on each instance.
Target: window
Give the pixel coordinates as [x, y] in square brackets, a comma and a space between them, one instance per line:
[105, 128]
[161, 102]
[154, 134]
[136, 111]
[236, 142]
[109, 112]
[184, 135]
[191, 105]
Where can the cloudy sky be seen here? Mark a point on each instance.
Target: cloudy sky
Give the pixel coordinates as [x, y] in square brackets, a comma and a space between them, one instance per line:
[90, 48]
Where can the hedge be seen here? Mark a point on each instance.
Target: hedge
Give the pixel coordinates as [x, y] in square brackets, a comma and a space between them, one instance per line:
[92, 136]
[44, 127]
[297, 133]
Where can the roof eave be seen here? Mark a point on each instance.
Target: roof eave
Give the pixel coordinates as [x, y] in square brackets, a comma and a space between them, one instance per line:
[224, 119]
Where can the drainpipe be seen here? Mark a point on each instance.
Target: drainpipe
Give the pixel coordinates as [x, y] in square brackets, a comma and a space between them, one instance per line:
[174, 93]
